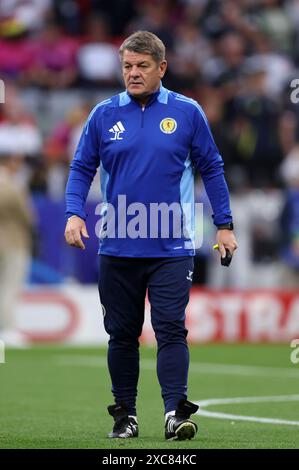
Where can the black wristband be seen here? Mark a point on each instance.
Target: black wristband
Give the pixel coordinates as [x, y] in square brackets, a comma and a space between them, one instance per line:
[228, 226]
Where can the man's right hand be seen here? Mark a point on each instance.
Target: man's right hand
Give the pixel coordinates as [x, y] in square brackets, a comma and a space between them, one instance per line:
[75, 227]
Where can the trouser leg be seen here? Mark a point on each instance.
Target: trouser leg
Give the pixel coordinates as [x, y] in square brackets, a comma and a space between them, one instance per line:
[122, 289]
[168, 290]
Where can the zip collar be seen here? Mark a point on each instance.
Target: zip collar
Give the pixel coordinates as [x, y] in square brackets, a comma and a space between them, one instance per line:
[161, 95]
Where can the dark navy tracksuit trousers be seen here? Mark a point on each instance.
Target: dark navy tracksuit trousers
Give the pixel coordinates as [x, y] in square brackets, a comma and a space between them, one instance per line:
[122, 287]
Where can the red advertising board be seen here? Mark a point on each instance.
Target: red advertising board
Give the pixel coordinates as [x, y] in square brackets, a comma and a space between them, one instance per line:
[240, 316]
[73, 315]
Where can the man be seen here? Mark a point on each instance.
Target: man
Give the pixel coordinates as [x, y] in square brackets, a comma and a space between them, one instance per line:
[147, 141]
[17, 221]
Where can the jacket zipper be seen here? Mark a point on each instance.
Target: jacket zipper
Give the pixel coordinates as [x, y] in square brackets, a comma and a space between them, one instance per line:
[142, 115]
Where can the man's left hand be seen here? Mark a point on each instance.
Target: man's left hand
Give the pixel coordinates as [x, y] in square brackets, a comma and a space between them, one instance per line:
[226, 240]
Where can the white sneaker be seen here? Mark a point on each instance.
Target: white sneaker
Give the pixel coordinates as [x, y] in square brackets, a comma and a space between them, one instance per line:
[179, 426]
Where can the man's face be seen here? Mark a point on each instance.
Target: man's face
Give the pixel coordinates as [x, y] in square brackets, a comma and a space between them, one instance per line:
[141, 74]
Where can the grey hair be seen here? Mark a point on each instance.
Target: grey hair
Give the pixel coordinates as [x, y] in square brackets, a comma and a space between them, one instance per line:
[144, 42]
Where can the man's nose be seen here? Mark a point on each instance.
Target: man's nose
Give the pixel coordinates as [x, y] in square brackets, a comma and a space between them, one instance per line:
[135, 72]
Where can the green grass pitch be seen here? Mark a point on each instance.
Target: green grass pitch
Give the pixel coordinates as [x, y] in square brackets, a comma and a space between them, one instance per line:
[57, 397]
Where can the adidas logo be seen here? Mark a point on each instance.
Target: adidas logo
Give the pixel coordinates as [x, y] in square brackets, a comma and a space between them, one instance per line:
[117, 129]
[171, 424]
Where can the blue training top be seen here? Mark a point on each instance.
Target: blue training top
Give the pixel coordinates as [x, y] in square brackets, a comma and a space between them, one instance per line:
[147, 156]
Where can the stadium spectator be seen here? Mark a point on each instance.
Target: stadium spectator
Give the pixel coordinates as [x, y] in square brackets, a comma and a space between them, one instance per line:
[225, 68]
[54, 65]
[15, 246]
[97, 56]
[16, 58]
[19, 133]
[273, 20]
[20, 15]
[60, 146]
[158, 16]
[278, 67]
[190, 51]
[256, 117]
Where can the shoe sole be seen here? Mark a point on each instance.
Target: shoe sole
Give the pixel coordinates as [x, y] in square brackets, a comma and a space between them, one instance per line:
[184, 432]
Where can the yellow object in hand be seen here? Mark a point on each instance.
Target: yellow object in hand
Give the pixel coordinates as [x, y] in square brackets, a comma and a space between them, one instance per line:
[216, 247]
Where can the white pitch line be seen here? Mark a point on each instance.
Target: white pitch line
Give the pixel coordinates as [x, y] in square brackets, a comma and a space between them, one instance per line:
[238, 369]
[210, 368]
[232, 417]
[195, 367]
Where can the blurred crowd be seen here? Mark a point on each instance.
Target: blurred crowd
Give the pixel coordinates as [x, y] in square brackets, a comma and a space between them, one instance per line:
[236, 58]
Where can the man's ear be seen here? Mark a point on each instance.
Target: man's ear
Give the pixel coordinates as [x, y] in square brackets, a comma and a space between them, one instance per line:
[163, 67]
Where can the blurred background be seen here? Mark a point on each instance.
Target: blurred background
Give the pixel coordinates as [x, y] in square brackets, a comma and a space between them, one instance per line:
[58, 58]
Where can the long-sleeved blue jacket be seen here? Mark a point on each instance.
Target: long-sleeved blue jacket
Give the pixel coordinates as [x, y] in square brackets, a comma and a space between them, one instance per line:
[147, 157]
